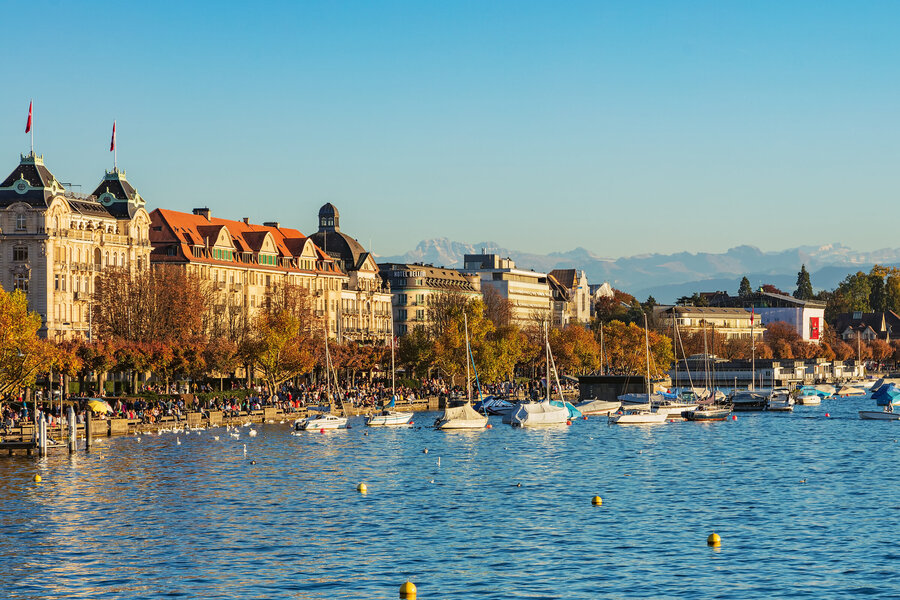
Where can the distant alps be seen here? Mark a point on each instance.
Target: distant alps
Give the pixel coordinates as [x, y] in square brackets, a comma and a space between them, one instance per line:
[669, 276]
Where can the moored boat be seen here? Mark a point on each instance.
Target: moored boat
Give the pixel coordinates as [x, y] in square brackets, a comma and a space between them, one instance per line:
[747, 401]
[598, 407]
[809, 399]
[887, 396]
[711, 412]
[320, 421]
[389, 418]
[780, 400]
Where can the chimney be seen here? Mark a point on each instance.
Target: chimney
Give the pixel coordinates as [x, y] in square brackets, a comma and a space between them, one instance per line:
[203, 212]
[246, 220]
[274, 224]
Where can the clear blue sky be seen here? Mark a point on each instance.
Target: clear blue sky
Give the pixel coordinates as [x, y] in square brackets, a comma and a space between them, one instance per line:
[624, 127]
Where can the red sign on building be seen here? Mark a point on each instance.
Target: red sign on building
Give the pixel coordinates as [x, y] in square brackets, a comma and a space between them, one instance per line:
[814, 328]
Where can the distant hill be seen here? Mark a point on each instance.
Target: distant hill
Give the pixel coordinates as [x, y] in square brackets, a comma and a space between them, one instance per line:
[669, 276]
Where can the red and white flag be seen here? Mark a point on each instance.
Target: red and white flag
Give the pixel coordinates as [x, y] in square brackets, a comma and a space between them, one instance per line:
[28, 124]
[752, 314]
[112, 141]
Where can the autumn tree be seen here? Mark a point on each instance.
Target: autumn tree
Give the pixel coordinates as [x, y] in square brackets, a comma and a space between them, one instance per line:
[626, 348]
[448, 315]
[496, 308]
[285, 334]
[22, 353]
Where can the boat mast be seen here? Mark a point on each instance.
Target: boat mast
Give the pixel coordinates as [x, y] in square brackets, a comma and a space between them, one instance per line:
[752, 353]
[602, 367]
[675, 343]
[547, 352]
[647, 346]
[393, 369]
[468, 384]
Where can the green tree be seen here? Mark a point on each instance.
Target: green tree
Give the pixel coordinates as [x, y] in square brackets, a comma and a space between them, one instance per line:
[804, 289]
[745, 291]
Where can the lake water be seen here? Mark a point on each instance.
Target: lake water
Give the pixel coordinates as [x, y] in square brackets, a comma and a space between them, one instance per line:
[807, 507]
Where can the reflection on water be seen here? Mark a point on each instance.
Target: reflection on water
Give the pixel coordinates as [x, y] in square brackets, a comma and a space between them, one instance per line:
[806, 507]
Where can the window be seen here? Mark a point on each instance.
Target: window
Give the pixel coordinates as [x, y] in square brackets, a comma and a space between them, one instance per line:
[20, 222]
[401, 314]
[56, 282]
[20, 253]
[402, 300]
[20, 282]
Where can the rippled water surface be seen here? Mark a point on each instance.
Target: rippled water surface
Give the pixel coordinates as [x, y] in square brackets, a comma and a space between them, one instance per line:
[808, 506]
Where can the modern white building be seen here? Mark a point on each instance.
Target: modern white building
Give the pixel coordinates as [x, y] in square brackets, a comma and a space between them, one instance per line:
[527, 291]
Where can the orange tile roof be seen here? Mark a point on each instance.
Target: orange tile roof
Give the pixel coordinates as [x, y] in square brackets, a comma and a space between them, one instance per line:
[193, 230]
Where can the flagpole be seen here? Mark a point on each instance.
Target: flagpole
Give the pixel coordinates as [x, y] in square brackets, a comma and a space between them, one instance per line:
[30, 112]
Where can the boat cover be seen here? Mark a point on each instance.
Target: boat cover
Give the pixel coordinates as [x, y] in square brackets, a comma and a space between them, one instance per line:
[540, 413]
[491, 402]
[883, 382]
[850, 390]
[574, 413]
[462, 413]
[887, 395]
[640, 398]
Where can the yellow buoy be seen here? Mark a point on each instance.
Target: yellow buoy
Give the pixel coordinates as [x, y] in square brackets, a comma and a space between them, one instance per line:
[37, 478]
[596, 500]
[408, 590]
[714, 540]
[362, 489]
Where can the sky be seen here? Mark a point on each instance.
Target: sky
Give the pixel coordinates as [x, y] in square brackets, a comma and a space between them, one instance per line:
[622, 127]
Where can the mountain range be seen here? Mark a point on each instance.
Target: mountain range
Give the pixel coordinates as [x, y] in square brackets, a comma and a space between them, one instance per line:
[669, 276]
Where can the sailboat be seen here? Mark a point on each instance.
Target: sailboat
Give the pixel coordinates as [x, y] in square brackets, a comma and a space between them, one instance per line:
[324, 420]
[641, 416]
[463, 417]
[593, 406]
[546, 412]
[388, 417]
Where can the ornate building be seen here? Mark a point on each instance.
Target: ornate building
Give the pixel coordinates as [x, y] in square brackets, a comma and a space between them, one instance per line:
[55, 243]
[365, 306]
[244, 261]
[414, 286]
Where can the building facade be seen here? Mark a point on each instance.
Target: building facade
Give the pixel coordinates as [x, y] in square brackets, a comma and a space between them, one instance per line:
[733, 323]
[244, 262]
[54, 243]
[364, 311]
[414, 287]
[807, 317]
[571, 297]
[527, 291]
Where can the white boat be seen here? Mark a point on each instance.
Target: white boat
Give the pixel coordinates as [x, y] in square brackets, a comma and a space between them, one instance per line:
[809, 399]
[780, 400]
[641, 416]
[320, 421]
[463, 417]
[598, 407]
[389, 418]
[673, 408]
[851, 391]
[544, 413]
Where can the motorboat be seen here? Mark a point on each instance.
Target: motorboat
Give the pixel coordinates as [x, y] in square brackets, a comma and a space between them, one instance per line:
[747, 401]
[389, 418]
[809, 398]
[886, 396]
[710, 412]
[887, 414]
[493, 405]
[320, 421]
[780, 400]
[598, 407]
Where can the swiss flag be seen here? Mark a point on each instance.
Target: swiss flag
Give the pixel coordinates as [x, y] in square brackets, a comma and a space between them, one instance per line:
[28, 124]
[112, 141]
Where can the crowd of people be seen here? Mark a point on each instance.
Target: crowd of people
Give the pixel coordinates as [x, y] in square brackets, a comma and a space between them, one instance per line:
[174, 401]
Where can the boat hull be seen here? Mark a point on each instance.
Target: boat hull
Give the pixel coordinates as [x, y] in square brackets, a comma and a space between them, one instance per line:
[638, 418]
[878, 415]
[321, 423]
[708, 414]
[461, 424]
[392, 419]
[598, 407]
[539, 414]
